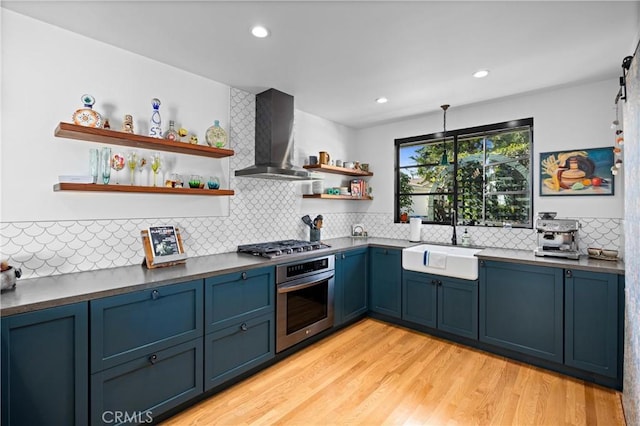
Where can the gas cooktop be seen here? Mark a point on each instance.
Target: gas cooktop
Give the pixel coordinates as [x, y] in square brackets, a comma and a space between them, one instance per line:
[281, 248]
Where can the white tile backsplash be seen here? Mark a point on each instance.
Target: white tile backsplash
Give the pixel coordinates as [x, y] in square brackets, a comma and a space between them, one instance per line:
[261, 210]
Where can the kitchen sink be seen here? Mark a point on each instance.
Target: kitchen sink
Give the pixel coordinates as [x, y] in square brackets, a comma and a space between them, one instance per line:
[451, 261]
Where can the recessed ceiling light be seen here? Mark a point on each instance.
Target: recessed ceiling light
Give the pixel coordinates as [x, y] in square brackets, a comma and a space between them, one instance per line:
[259, 31]
[481, 73]
[382, 100]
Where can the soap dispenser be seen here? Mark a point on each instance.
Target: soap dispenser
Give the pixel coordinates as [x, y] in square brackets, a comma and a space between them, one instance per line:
[466, 238]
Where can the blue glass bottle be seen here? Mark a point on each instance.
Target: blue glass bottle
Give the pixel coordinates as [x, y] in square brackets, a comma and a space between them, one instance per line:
[155, 125]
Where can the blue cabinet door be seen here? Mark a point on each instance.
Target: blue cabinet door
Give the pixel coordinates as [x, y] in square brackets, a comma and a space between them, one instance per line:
[350, 285]
[591, 321]
[385, 272]
[521, 308]
[45, 367]
[126, 326]
[458, 306]
[140, 390]
[238, 348]
[419, 298]
[231, 297]
[449, 304]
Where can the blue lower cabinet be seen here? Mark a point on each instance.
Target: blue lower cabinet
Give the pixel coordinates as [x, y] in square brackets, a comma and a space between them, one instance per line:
[140, 390]
[521, 308]
[238, 348]
[448, 304]
[127, 326]
[458, 306]
[592, 318]
[232, 296]
[419, 298]
[45, 367]
[385, 281]
[350, 285]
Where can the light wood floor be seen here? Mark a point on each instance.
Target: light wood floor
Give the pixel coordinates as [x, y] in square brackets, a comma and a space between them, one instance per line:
[374, 373]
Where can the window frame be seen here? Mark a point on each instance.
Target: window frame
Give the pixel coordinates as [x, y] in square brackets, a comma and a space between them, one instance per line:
[452, 139]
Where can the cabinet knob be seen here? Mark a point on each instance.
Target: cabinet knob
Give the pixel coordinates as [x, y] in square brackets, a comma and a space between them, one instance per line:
[343, 256]
[244, 275]
[153, 358]
[569, 273]
[433, 282]
[243, 326]
[482, 263]
[439, 282]
[155, 294]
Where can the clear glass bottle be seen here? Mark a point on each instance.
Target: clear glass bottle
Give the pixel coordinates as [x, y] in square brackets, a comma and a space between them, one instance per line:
[466, 238]
[155, 124]
[171, 133]
[216, 135]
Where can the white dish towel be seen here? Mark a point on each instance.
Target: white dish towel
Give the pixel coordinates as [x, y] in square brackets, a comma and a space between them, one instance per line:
[435, 259]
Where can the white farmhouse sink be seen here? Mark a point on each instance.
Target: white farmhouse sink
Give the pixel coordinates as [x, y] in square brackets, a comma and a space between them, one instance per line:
[451, 261]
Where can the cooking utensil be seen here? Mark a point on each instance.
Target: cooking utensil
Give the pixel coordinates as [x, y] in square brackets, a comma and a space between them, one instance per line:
[317, 222]
[307, 220]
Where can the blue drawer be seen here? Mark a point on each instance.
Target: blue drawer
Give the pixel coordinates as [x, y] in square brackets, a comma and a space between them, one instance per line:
[142, 389]
[127, 326]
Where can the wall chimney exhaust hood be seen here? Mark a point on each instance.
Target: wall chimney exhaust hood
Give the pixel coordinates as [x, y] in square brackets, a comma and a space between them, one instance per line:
[274, 139]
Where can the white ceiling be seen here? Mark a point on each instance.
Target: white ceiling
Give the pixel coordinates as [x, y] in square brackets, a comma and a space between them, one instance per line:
[337, 57]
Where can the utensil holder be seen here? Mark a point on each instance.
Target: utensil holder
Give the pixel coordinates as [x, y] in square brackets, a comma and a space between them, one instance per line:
[314, 234]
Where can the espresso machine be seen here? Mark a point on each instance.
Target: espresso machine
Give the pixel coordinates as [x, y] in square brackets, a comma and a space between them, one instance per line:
[557, 237]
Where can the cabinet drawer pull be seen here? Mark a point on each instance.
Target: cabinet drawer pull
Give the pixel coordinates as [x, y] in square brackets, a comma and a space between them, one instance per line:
[482, 263]
[569, 273]
[153, 358]
[155, 294]
[343, 256]
[439, 283]
[244, 275]
[244, 327]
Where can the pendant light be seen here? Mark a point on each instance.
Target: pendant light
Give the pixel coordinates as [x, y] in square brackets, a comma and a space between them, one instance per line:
[444, 161]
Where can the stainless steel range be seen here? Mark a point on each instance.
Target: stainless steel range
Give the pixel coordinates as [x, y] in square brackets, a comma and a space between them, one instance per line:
[304, 299]
[281, 248]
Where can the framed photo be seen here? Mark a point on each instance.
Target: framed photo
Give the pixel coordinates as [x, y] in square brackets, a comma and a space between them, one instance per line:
[162, 246]
[579, 172]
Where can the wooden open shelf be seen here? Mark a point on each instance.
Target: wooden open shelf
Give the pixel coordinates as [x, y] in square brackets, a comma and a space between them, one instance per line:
[114, 137]
[139, 189]
[336, 170]
[336, 197]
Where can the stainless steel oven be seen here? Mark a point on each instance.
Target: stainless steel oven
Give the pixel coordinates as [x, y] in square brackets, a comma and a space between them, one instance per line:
[304, 300]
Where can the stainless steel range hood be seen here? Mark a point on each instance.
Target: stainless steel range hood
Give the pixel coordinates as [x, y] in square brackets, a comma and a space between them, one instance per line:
[274, 139]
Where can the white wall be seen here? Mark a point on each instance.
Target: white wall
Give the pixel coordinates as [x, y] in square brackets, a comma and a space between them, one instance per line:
[45, 71]
[564, 119]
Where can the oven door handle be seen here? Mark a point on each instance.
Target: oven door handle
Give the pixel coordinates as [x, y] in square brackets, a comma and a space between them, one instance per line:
[304, 283]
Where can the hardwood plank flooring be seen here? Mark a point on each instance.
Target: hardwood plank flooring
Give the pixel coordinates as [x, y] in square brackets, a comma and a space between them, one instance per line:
[373, 373]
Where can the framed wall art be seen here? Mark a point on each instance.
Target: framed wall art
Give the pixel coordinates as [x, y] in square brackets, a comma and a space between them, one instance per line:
[578, 172]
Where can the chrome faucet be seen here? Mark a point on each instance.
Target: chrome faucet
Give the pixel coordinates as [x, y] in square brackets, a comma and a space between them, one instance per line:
[454, 221]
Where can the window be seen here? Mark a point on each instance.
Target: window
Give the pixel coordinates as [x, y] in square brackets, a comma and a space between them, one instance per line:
[487, 174]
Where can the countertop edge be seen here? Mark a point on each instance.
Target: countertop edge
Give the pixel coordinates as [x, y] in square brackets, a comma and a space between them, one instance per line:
[34, 294]
[47, 292]
[527, 257]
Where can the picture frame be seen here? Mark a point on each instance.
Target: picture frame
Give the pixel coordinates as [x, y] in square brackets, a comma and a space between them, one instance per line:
[162, 246]
[577, 172]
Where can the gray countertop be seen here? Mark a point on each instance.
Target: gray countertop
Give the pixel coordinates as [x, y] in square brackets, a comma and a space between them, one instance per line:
[46, 292]
[527, 257]
[40, 293]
